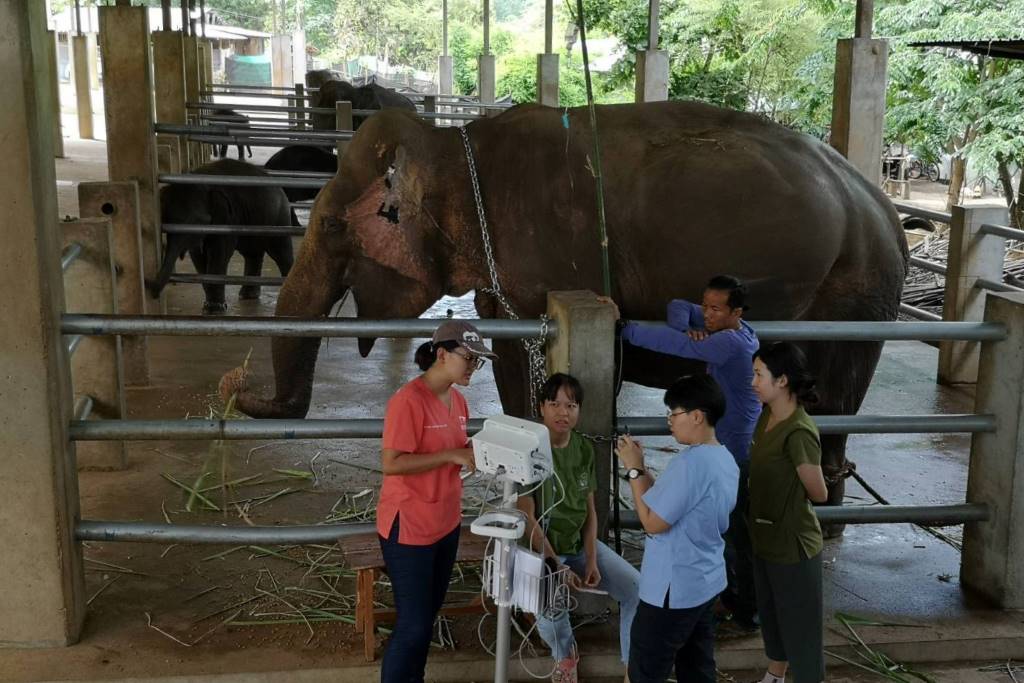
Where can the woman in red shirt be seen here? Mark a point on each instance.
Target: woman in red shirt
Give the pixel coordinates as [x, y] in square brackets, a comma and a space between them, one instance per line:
[420, 510]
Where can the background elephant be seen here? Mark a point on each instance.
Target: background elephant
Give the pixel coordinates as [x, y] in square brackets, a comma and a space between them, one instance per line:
[691, 191]
[230, 117]
[224, 205]
[302, 158]
[369, 96]
[317, 77]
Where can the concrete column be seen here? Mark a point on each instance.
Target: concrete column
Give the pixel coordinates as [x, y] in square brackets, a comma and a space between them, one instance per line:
[858, 103]
[343, 119]
[96, 368]
[131, 148]
[585, 348]
[430, 107]
[83, 93]
[547, 80]
[972, 255]
[549, 26]
[119, 202]
[652, 76]
[445, 75]
[281, 66]
[43, 591]
[169, 80]
[54, 81]
[92, 55]
[299, 56]
[190, 47]
[992, 562]
[485, 78]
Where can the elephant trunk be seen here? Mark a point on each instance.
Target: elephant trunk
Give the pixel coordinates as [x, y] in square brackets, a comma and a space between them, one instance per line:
[311, 288]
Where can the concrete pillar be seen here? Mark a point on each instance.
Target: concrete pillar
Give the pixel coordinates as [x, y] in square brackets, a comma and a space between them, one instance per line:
[190, 48]
[299, 56]
[485, 78]
[169, 80]
[858, 103]
[972, 255]
[585, 348]
[281, 66]
[119, 202]
[43, 591]
[652, 76]
[487, 27]
[54, 81]
[430, 107]
[92, 56]
[207, 63]
[131, 148]
[992, 562]
[445, 75]
[96, 369]
[343, 120]
[547, 80]
[83, 91]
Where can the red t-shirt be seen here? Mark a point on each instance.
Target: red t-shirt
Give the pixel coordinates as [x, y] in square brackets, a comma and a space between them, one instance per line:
[430, 503]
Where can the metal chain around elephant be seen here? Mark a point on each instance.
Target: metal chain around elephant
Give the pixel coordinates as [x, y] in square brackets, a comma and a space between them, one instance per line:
[534, 347]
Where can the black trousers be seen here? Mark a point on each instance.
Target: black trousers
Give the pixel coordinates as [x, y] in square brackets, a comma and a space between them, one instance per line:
[739, 596]
[419, 580]
[790, 605]
[663, 639]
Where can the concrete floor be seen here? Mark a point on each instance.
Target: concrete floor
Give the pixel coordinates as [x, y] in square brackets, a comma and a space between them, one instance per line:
[895, 574]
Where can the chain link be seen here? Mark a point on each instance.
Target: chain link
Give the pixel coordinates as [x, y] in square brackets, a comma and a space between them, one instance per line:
[534, 347]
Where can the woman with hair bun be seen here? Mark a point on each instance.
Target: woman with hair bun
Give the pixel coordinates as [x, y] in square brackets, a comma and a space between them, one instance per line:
[419, 514]
[785, 479]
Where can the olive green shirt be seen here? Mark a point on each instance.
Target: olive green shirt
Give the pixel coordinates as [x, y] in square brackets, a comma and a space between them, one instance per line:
[576, 472]
[783, 526]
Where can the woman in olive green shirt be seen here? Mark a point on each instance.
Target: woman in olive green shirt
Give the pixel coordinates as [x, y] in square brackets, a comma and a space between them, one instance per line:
[785, 479]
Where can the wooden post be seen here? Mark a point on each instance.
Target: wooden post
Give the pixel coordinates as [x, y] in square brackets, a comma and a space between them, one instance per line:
[169, 83]
[343, 119]
[54, 81]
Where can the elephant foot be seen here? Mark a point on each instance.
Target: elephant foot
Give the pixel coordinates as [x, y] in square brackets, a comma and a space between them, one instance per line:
[213, 308]
[249, 292]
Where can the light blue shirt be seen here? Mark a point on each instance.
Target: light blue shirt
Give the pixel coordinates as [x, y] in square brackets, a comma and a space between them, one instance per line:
[695, 494]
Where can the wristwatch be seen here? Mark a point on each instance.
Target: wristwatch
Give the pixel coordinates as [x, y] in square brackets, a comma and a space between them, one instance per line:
[633, 473]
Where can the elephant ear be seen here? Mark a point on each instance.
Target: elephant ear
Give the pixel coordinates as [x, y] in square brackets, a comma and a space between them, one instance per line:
[389, 224]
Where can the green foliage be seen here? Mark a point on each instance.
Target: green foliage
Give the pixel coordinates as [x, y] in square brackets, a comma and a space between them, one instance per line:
[518, 80]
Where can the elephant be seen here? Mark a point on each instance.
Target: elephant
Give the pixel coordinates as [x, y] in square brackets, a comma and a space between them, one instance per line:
[369, 96]
[317, 77]
[302, 158]
[691, 191]
[232, 118]
[224, 205]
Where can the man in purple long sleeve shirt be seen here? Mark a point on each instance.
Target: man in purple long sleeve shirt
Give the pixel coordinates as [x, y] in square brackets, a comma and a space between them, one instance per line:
[714, 332]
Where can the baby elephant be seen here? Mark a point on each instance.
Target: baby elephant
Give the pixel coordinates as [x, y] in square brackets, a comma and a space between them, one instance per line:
[224, 205]
[229, 117]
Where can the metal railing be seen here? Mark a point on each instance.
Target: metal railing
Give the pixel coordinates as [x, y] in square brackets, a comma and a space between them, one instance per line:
[940, 216]
[254, 133]
[71, 343]
[68, 256]
[240, 280]
[261, 230]
[201, 106]
[241, 180]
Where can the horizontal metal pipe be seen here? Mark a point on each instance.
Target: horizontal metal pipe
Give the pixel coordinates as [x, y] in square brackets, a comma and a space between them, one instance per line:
[72, 343]
[68, 256]
[940, 216]
[925, 264]
[151, 532]
[83, 407]
[196, 279]
[201, 106]
[370, 428]
[200, 326]
[240, 180]
[264, 230]
[919, 313]
[813, 330]
[1002, 231]
[849, 424]
[253, 142]
[298, 174]
[253, 132]
[283, 95]
[993, 286]
[924, 515]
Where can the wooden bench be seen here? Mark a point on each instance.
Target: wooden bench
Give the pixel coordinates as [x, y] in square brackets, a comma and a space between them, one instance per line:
[362, 554]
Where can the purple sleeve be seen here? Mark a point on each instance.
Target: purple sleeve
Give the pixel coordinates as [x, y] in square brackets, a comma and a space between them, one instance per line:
[714, 349]
[682, 315]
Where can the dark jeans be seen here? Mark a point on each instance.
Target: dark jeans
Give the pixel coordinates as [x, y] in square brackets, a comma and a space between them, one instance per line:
[739, 596]
[790, 603]
[663, 638]
[419, 580]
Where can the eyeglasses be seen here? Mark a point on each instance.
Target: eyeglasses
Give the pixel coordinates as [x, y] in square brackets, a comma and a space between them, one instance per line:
[676, 413]
[475, 362]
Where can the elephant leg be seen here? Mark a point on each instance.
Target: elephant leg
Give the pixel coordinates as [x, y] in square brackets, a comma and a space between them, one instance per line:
[174, 249]
[217, 256]
[220, 150]
[512, 378]
[241, 152]
[253, 268]
[282, 255]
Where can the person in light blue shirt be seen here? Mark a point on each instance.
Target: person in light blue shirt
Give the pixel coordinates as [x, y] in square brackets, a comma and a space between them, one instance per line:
[685, 512]
[714, 332]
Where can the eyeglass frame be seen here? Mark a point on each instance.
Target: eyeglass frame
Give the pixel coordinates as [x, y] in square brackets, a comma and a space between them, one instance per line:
[673, 414]
[472, 360]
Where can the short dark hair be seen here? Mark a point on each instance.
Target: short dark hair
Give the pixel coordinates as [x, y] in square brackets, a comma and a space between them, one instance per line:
[697, 392]
[734, 286]
[560, 380]
[426, 354]
[786, 358]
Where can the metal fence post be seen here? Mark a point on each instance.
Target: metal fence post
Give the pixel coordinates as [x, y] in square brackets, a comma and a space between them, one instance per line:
[993, 555]
[343, 118]
[120, 203]
[972, 255]
[96, 365]
[585, 348]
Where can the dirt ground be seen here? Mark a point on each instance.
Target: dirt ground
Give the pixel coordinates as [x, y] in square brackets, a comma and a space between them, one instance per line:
[205, 610]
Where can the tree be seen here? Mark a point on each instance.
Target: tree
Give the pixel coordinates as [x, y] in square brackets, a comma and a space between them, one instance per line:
[519, 80]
